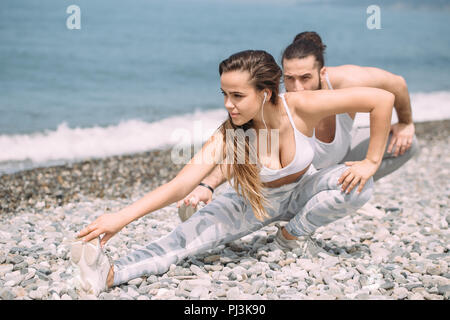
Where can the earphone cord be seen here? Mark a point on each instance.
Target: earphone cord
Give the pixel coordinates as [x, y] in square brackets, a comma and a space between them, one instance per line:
[267, 131]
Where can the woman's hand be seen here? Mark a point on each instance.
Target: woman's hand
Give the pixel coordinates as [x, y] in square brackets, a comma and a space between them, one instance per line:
[200, 193]
[109, 224]
[359, 172]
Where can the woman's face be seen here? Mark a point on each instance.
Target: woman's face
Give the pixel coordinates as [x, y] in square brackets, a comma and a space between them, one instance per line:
[301, 74]
[241, 99]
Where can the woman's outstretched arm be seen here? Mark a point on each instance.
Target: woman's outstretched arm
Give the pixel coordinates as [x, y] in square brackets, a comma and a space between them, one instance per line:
[312, 106]
[200, 193]
[185, 181]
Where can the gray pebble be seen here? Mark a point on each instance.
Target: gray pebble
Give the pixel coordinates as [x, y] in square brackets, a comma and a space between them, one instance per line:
[234, 294]
[232, 276]
[400, 292]
[15, 259]
[72, 294]
[7, 294]
[135, 282]
[274, 266]
[444, 290]
[362, 296]
[105, 296]
[411, 286]
[199, 292]
[387, 285]
[5, 268]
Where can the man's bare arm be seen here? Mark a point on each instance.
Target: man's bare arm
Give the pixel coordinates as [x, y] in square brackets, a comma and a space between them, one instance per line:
[357, 76]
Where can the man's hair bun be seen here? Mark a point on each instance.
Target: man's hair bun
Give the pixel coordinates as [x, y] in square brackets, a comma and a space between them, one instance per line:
[310, 36]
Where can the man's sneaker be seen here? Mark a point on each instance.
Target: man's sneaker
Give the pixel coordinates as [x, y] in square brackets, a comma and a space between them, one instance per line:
[186, 211]
[305, 244]
[91, 264]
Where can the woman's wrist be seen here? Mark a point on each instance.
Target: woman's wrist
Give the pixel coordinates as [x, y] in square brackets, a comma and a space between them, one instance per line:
[373, 161]
[206, 186]
[125, 217]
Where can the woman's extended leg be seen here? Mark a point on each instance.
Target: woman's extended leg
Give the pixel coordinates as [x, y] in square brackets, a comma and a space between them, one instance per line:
[228, 217]
[318, 201]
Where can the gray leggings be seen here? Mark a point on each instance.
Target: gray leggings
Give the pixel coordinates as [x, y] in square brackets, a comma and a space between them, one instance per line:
[314, 200]
[360, 144]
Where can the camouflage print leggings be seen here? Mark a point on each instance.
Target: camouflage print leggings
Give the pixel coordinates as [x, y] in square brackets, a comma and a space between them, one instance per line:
[314, 200]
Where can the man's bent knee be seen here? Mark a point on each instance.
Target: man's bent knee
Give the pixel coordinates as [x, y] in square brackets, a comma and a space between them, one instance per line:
[415, 148]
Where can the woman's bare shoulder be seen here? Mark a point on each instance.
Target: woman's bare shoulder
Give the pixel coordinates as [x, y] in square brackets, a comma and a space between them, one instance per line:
[297, 101]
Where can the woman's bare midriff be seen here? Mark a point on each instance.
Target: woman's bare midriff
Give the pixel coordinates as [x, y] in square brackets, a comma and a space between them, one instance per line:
[285, 180]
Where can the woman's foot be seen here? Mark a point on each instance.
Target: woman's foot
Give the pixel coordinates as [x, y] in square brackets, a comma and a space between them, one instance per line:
[110, 278]
[285, 241]
[93, 266]
[307, 245]
[287, 235]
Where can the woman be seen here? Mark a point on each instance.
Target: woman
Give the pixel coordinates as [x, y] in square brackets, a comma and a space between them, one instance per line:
[282, 186]
[334, 141]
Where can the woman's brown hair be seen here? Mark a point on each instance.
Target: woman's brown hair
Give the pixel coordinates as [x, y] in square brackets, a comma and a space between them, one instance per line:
[264, 74]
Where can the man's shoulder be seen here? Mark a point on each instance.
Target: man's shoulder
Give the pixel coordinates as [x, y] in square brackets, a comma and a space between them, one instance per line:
[346, 75]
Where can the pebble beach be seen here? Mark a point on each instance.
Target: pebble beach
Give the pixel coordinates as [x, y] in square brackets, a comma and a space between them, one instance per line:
[400, 251]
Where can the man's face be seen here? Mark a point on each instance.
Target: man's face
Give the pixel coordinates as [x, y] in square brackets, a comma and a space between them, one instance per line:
[301, 74]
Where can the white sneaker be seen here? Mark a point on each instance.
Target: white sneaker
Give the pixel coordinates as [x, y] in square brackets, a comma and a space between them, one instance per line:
[186, 211]
[285, 244]
[91, 264]
[305, 244]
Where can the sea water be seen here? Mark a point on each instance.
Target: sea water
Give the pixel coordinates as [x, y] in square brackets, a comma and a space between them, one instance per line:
[142, 74]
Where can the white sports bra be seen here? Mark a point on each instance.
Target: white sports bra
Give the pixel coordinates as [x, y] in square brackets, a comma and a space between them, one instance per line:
[327, 154]
[304, 154]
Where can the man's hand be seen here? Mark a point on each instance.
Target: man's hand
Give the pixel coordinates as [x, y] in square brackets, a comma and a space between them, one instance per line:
[402, 137]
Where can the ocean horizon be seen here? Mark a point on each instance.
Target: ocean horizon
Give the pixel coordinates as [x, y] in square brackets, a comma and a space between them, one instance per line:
[141, 75]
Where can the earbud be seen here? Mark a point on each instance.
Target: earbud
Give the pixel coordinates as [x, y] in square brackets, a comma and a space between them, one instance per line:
[265, 97]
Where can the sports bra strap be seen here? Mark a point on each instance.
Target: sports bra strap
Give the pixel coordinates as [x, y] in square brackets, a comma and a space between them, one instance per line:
[287, 111]
[328, 80]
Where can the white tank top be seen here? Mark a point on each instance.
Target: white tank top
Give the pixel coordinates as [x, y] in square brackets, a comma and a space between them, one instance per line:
[304, 153]
[327, 154]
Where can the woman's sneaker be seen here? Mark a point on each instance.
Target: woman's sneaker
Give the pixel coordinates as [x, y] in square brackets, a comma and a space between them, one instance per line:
[91, 264]
[307, 246]
[286, 245]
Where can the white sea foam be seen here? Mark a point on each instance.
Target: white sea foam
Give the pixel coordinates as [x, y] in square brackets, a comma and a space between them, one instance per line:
[67, 144]
[425, 107]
